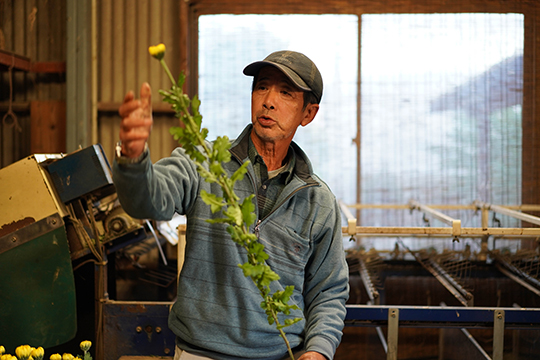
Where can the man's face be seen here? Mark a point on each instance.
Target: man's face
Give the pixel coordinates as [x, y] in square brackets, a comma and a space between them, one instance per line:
[277, 107]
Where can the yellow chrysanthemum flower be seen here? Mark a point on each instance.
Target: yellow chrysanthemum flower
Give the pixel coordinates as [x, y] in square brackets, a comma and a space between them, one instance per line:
[38, 353]
[56, 357]
[23, 351]
[157, 51]
[67, 356]
[85, 345]
[6, 357]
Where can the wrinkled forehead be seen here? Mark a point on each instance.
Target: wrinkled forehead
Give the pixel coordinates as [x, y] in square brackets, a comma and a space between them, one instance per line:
[274, 74]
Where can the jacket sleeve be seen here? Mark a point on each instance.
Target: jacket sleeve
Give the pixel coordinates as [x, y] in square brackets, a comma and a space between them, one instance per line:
[326, 288]
[157, 191]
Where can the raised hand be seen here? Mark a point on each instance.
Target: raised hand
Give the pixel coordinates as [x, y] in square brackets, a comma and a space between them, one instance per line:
[136, 122]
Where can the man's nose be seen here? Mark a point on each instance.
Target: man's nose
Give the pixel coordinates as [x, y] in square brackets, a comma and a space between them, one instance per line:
[270, 100]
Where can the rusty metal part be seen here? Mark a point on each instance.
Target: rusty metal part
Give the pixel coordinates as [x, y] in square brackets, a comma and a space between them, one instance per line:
[372, 292]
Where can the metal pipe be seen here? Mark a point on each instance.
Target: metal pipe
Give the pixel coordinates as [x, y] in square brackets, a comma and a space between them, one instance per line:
[517, 279]
[381, 335]
[456, 224]
[509, 212]
[441, 231]
[157, 242]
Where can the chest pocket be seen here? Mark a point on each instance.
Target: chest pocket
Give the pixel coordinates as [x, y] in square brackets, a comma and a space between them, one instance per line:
[288, 251]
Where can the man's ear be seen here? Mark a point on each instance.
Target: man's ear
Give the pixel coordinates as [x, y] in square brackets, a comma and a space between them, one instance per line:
[309, 113]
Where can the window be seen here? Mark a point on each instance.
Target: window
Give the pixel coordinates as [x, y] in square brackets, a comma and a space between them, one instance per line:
[441, 113]
[441, 99]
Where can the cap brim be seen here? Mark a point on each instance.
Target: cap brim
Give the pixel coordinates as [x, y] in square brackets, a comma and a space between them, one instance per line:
[253, 69]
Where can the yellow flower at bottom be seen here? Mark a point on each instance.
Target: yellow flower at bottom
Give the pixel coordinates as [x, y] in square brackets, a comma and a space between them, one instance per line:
[67, 356]
[85, 345]
[38, 353]
[157, 51]
[56, 357]
[23, 351]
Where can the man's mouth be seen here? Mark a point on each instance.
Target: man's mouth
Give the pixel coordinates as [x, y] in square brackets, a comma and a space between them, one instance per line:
[265, 120]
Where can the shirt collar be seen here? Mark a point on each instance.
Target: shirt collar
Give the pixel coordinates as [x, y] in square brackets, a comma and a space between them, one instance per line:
[286, 174]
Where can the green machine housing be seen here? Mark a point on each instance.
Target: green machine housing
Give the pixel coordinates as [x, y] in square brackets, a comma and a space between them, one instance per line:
[37, 290]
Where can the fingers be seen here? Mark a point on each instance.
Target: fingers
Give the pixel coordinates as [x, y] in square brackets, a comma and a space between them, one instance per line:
[135, 126]
[136, 123]
[128, 105]
[312, 355]
[146, 99]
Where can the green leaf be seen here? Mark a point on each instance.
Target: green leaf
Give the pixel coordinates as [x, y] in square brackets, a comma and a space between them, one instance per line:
[268, 276]
[289, 322]
[253, 271]
[195, 104]
[215, 202]
[216, 169]
[248, 238]
[248, 210]
[240, 172]
[257, 250]
[204, 132]
[234, 213]
[221, 149]
[181, 80]
[235, 233]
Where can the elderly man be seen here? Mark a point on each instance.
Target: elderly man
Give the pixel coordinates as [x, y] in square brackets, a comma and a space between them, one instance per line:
[217, 314]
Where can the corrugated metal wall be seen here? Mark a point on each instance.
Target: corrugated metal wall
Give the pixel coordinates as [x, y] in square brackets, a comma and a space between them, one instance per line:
[35, 29]
[125, 32]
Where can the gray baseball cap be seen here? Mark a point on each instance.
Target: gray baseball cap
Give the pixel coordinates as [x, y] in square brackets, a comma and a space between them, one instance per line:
[298, 67]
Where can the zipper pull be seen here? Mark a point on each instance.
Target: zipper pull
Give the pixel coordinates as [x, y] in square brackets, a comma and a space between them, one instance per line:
[256, 230]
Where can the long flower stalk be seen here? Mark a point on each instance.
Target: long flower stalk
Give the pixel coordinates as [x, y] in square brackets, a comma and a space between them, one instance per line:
[238, 215]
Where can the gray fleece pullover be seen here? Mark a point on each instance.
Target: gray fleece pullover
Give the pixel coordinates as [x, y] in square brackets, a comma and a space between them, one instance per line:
[217, 313]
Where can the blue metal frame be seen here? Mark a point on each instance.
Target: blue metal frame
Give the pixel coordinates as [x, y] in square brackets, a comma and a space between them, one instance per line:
[140, 328]
[439, 317]
[137, 328]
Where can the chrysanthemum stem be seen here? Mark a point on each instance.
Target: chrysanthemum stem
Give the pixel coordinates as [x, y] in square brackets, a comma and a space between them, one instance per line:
[164, 64]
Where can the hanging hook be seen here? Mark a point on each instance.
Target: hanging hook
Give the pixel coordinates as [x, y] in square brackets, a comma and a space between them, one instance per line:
[496, 220]
[10, 119]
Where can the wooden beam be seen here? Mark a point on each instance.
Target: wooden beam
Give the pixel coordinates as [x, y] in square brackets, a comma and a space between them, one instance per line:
[8, 59]
[49, 67]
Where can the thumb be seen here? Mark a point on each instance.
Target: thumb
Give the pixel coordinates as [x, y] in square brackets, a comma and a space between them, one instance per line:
[146, 99]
